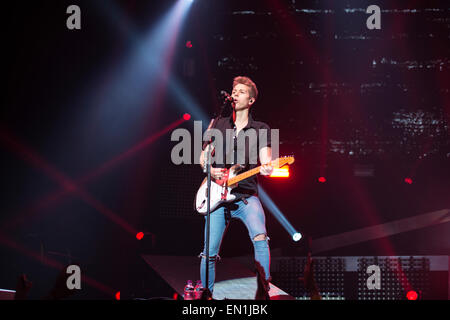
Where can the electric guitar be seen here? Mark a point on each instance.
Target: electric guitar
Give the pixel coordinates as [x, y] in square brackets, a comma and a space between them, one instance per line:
[221, 189]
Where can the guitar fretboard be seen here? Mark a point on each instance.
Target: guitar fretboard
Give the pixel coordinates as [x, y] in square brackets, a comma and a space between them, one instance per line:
[251, 172]
[244, 175]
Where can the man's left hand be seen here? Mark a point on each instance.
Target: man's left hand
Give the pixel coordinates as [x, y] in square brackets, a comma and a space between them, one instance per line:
[266, 170]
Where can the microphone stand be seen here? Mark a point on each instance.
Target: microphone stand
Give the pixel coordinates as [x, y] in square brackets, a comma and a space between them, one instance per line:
[207, 169]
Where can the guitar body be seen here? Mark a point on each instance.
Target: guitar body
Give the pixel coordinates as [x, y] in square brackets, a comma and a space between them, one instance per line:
[220, 192]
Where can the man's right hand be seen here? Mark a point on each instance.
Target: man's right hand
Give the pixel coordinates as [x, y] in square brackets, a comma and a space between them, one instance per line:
[218, 173]
[203, 155]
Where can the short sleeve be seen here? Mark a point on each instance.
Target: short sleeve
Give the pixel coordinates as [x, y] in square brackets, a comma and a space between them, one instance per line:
[264, 139]
[219, 126]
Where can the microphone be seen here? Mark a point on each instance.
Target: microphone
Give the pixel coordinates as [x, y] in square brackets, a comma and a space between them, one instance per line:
[226, 96]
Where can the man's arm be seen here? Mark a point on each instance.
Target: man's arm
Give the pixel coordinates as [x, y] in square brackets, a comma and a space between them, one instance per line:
[203, 156]
[216, 173]
[265, 157]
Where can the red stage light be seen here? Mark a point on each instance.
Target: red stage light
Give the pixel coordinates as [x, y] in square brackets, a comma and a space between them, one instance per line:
[139, 235]
[186, 116]
[411, 295]
[322, 179]
[189, 44]
[118, 295]
[408, 180]
[175, 296]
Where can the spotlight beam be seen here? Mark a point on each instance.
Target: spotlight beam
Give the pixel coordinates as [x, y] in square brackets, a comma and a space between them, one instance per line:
[161, 43]
[129, 153]
[69, 186]
[65, 182]
[380, 231]
[296, 236]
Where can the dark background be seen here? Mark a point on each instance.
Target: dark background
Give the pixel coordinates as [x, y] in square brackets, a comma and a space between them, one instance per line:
[342, 96]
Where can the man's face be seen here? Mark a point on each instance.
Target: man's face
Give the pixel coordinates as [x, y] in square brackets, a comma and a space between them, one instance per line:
[241, 97]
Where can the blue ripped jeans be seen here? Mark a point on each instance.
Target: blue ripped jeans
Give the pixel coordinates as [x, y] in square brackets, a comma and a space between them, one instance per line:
[252, 215]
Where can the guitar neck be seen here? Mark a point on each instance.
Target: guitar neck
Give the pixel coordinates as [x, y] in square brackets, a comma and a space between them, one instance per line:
[244, 175]
[251, 172]
[278, 163]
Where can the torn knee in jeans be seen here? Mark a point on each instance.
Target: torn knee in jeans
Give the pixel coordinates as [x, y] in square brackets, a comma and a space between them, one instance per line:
[261, 237]
[211, 258]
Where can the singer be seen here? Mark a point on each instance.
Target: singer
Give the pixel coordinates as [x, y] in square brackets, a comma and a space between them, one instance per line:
[247, 206]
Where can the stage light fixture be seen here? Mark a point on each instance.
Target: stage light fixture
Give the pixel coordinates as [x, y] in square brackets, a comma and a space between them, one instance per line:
[412, 295]
[296, 236]
[139, 235]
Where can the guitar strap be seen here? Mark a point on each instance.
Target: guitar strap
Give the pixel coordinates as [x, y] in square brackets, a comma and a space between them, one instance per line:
[227, 214]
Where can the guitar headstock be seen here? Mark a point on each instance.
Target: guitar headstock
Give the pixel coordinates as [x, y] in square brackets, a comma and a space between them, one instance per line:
[282, 161]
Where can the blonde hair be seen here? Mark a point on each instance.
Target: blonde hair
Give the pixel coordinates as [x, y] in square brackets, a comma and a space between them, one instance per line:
[253, 91]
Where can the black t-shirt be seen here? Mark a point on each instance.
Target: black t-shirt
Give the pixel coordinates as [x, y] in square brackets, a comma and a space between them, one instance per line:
[257, 136]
